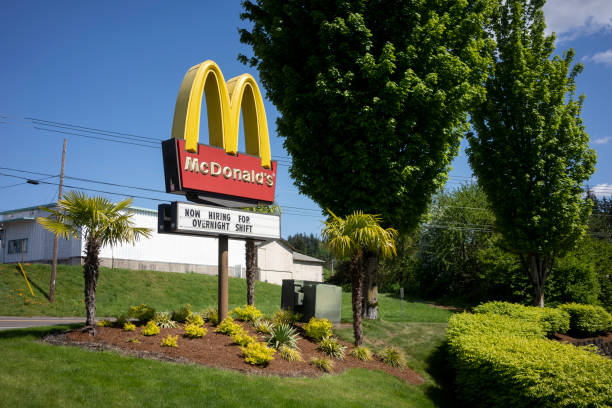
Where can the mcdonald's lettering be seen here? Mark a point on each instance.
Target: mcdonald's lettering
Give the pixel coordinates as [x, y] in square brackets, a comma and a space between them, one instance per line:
[218, 169]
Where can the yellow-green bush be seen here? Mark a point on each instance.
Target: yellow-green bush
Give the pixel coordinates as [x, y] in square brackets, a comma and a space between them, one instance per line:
[258, 353]
[105, 323]
[242, 338]
[182, 314]
[248, 313]
[142, 312]
[127, 326]
[362, 353]
[290, 354]
[588, 319]
[228, 326]
[195, 331]
[151, 329]
[552, 320]
[283, 316]
[211, 315]
[195, 318]
[170, 341]
[324, 364]
[317, 329]
[500, 364]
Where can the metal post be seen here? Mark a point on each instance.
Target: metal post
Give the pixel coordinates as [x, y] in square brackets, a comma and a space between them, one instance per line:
[222, 294]
[55, 241]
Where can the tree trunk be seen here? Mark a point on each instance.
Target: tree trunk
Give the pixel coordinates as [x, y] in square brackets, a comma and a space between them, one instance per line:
[250, 271]
[370, 301]
[357, 297]
[539, 266]
[90, 273]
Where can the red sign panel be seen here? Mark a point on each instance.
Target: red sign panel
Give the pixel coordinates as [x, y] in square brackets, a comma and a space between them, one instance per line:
[211, 170]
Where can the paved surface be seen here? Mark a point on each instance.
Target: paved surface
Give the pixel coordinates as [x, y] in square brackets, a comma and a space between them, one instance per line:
[19, 322]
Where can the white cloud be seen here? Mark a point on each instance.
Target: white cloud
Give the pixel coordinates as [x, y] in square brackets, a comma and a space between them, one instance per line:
[575, 18]
[604, 57]
[602, 190]
[601, 140]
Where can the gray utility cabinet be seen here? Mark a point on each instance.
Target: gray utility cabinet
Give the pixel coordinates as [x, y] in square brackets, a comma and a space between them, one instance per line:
[312, 299]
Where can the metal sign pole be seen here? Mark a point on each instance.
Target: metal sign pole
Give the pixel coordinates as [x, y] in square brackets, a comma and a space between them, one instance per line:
[222, 294]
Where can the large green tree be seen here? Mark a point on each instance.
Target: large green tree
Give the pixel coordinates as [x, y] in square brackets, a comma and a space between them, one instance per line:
[530, 149]
[98, 222]
[372, 94]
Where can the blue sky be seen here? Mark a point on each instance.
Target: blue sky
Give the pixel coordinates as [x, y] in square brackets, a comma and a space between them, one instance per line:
[117, 66]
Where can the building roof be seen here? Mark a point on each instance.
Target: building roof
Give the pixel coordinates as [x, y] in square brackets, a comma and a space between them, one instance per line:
[36, 207]
[297, 256]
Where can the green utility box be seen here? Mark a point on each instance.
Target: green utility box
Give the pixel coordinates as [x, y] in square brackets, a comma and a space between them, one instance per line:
[312, 299]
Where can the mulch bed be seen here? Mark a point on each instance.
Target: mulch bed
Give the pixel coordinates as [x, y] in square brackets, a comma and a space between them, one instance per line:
[603, 343]
[217, 350]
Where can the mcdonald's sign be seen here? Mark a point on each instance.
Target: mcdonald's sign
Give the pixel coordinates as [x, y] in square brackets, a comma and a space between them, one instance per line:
[217, 173]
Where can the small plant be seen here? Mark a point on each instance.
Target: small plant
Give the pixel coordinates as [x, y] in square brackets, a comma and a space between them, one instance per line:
[105, 323]
[228, 326]
[170, 341]
[163, 319]
[248, 313]
[290, 354]
[263, 326]
[121, 320]
[282, 316]
[195, 331]
[142, 312]
[317, 329]
[257, 353]
[211, 315]
[132, 340]
[151, 329]
[362, 353]
[283, 334]
[242, 338]
[324, 364]
[182, 314]
[127, 326]
[331, 347]
[392, 356]
[195, 318]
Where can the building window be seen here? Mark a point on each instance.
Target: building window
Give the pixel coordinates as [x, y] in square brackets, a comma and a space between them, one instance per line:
[17, 246]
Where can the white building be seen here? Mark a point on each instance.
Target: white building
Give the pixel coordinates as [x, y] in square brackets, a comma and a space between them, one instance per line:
[25, 240]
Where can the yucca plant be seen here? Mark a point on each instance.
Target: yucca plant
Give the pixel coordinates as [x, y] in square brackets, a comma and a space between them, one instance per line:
[362, 353]
[392, 356]
[163, 319]
[324, 364]
[263, 326]
[283, 334]
[330, 346]
[290, 354]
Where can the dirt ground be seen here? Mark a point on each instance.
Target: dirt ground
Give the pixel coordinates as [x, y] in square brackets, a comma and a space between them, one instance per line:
[217, 350]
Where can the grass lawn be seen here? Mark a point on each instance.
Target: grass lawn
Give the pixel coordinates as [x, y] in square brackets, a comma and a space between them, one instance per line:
[37, 374]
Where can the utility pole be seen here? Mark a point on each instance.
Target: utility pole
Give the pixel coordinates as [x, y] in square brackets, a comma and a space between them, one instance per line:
[55, 242]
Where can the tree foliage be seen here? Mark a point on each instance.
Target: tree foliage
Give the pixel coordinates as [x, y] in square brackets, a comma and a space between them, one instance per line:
[98, 222]
[530, 150]
[372, 95]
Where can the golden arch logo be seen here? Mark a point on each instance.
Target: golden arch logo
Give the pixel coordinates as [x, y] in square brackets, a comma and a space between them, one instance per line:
[223, 104]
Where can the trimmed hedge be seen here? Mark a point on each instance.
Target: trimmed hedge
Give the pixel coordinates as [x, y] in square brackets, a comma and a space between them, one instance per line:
[502, 361]
[552, 320]
[587, 319]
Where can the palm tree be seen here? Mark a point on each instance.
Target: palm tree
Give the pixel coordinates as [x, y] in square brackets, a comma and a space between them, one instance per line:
[352, 237]
[99, 222]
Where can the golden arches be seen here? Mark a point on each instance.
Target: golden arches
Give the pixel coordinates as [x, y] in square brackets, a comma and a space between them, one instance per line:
[223, 104]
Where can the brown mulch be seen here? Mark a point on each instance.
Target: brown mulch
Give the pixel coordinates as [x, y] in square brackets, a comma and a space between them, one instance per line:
[217, 350]
[603, 342]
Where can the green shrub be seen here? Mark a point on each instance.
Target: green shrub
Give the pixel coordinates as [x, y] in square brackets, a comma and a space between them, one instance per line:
[499, 368]
[151, 329]
[105, 323]
[282, 316]
[242, 338]
[362, 353]
[195, 331]
[290, 354]
[163, 319]
[318, 328]
[195, 318]
[283, 334]
[258, 353]
[211, 315]
[588, 320]
[121, 320]
[135, 341]
[142, 312]
[263, 326]
[127, 326]
[393, 357]
[248, 313]
[551, 320]
[330, 346]
[170, 341]
[182, 314]
[228, 327]
[324, 364]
